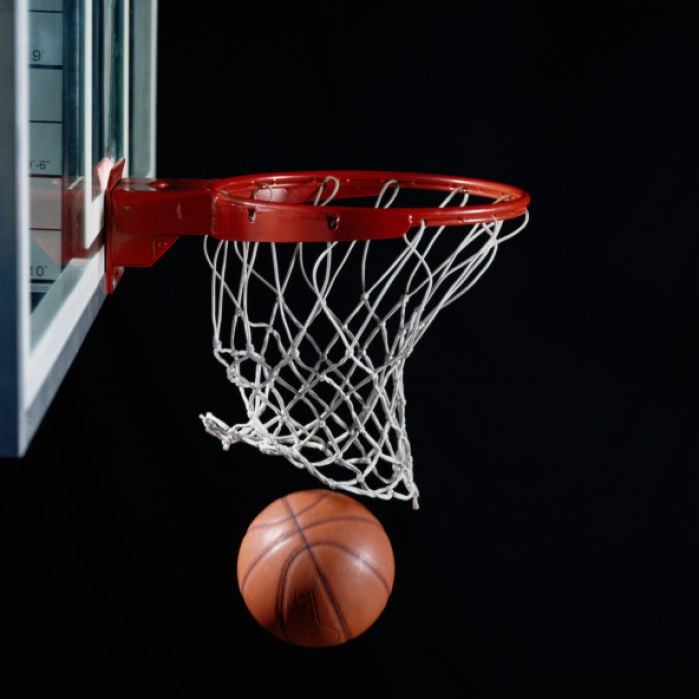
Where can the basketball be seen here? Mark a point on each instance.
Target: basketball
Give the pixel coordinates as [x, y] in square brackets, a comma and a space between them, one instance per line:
[316, 568]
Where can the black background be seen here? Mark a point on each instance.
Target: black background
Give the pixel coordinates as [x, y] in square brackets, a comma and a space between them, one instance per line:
[551, 411]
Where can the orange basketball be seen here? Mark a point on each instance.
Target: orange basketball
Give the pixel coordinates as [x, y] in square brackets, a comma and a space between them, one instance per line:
[316, 568]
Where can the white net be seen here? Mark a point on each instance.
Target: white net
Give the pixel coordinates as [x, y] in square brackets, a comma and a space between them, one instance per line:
[315, 336]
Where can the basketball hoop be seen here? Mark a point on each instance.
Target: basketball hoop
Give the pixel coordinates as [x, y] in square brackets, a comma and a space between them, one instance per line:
[321, 286]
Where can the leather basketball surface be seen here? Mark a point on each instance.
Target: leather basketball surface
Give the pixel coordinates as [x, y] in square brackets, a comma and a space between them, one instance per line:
[316, 568]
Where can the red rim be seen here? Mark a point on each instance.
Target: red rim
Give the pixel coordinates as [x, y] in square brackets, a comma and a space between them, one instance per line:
[279, 206]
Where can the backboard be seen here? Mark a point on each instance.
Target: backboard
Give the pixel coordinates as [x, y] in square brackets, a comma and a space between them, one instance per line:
[77, 88]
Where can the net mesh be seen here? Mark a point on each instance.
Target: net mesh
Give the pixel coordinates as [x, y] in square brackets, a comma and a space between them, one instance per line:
[315, 336]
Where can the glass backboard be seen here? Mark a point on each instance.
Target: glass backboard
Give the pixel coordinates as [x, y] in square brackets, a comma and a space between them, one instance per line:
[77, 89]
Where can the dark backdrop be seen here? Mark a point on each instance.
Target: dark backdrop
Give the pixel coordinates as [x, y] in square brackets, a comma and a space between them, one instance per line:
[552, 411]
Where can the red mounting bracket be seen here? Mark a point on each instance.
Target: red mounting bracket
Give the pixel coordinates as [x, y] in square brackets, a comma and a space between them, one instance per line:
[144, 217]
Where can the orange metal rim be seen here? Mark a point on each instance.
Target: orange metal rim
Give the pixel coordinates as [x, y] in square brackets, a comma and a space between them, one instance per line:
[290, 195]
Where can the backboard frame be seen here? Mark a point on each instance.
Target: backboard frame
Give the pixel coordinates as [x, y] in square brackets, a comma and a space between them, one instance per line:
[38, 345]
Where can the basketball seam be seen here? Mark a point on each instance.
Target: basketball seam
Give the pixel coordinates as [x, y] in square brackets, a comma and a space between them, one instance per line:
[342, 621]
[282, 539]
[322, 495]
[364, 561]
[292, 518]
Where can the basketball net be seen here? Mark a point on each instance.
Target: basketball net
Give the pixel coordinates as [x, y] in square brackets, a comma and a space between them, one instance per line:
[315, 336]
